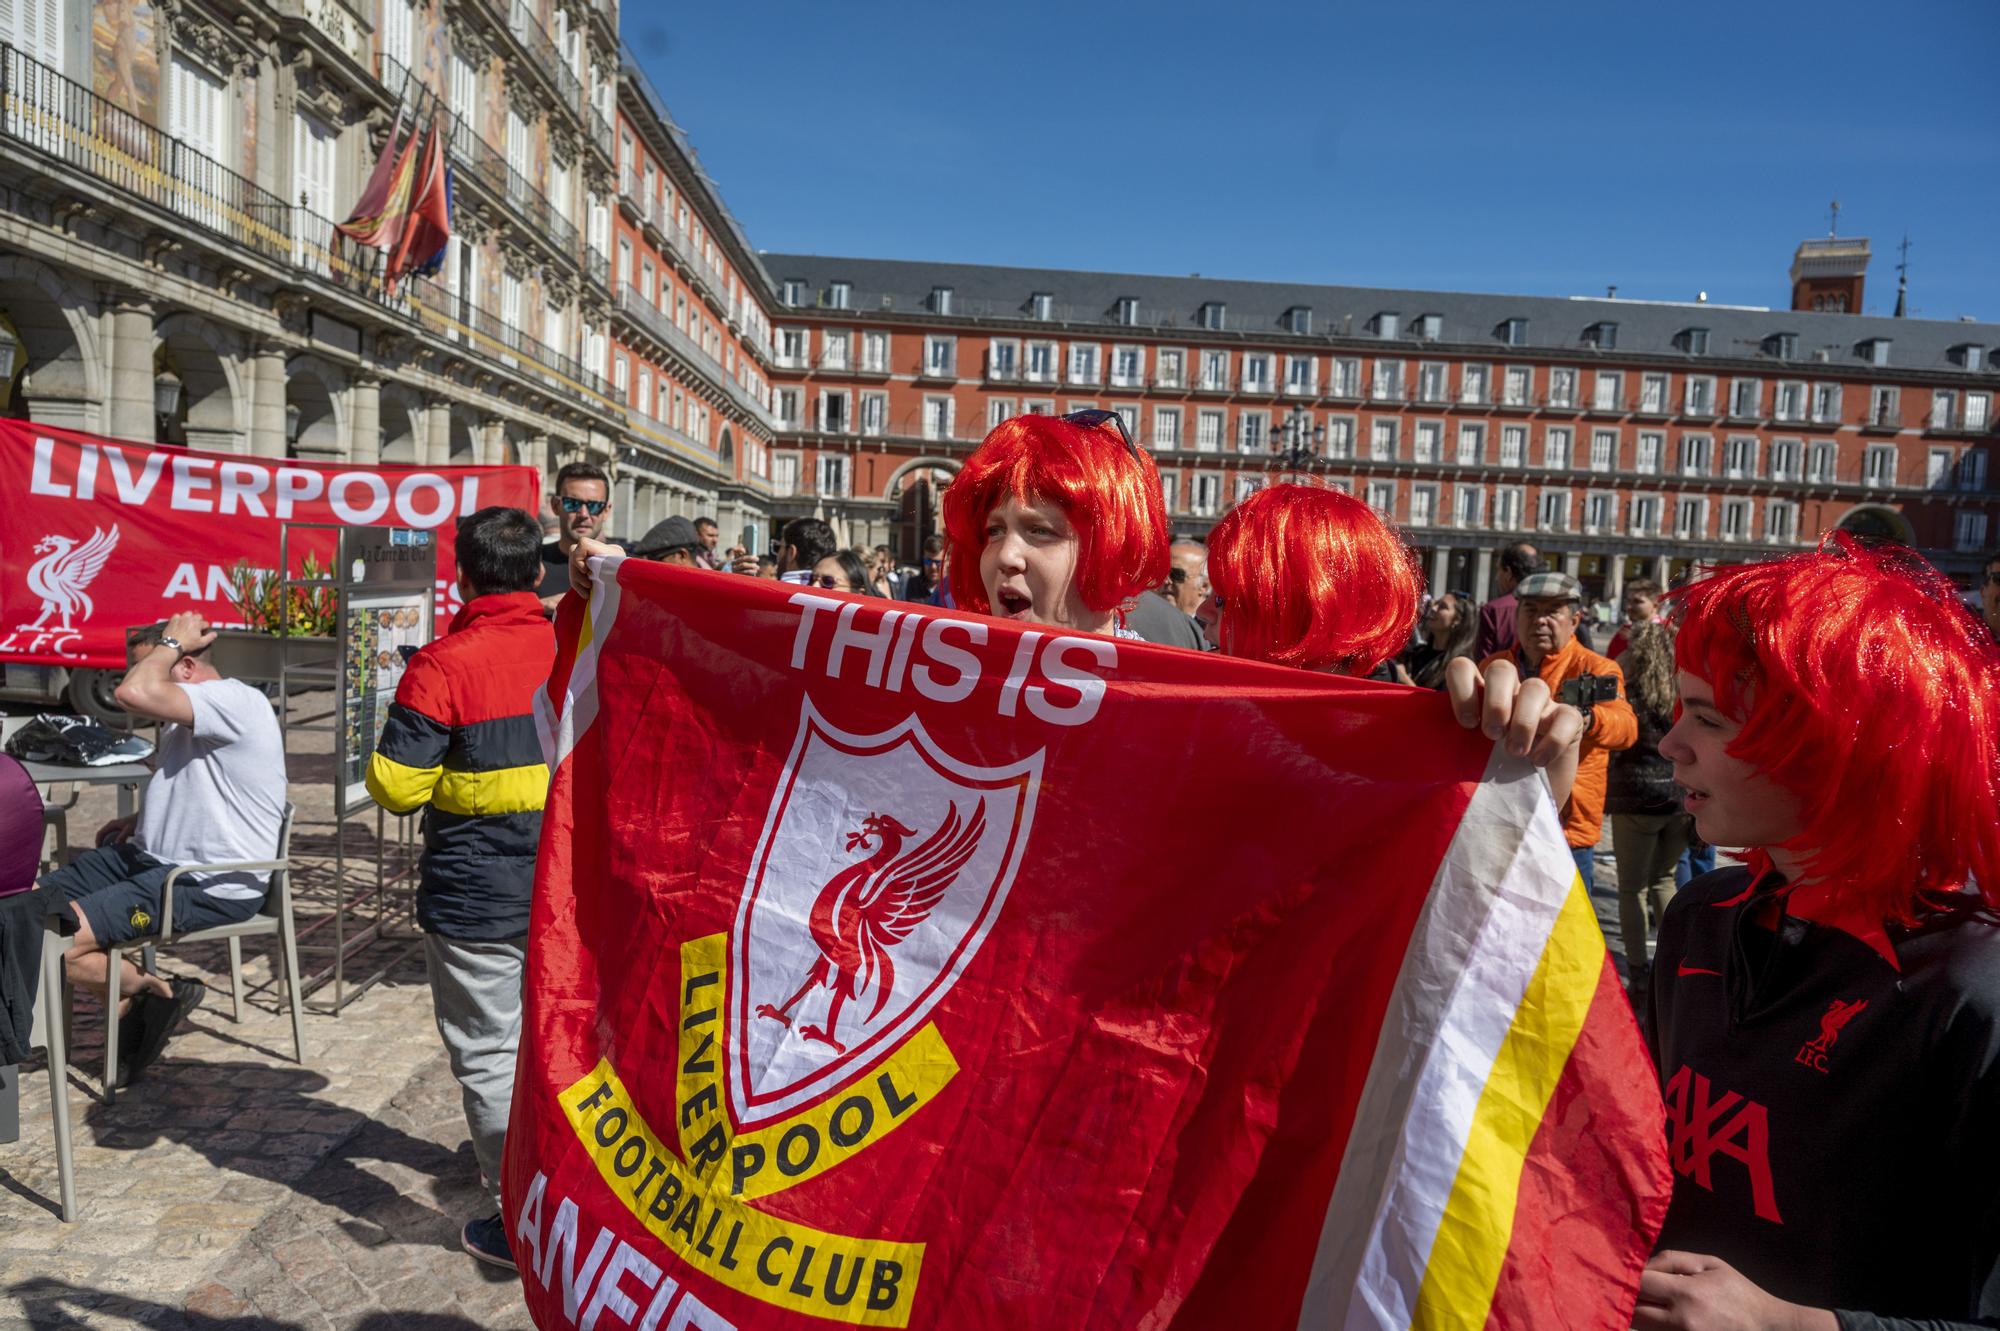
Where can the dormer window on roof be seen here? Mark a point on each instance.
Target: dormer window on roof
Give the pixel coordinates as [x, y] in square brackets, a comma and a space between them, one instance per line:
[1214, 315]
[838, 294]
[1603, 335]
[795, 292]
[941, 300]
[1386, 324]
[1694, 341]
[1125, 310]
[1430, 327]
[1042, 306]
[1874, 350]
[1299, 319]
[1782, 346]
[1513, 332]
[1968, 356]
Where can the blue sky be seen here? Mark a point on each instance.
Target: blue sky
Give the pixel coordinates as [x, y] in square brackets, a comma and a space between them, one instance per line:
[1545, 147]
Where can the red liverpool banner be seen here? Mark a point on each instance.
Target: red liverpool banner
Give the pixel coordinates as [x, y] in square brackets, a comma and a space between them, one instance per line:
[904, 968]
[100, 535]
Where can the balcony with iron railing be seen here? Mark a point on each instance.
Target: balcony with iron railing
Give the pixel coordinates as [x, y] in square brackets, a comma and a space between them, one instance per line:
[489, 167]
[66, 121]
[654, 322]
[67, 124]
[547, 59]
[452, 315]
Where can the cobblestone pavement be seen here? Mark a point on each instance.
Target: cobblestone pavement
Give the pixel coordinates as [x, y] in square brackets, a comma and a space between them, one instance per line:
[231, 1187]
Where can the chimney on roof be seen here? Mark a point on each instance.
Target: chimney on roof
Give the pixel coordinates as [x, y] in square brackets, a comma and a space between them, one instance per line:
[1827, 275]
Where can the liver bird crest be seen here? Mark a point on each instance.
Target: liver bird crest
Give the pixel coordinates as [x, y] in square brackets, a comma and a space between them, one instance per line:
[872, 905]
[65, 568]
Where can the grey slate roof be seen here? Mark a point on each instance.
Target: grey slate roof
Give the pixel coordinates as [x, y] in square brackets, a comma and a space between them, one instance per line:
[1256, 309]
[634, 76]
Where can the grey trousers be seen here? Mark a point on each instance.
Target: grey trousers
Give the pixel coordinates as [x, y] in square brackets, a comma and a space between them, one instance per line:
[1646, 846]
[476, 990]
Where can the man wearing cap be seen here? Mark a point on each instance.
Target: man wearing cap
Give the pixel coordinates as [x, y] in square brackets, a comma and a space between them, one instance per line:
[673, 541]
[1547, 609]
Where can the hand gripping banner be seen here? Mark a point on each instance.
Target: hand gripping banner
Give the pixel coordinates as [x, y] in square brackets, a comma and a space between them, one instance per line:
[901, 968]
[100, 535]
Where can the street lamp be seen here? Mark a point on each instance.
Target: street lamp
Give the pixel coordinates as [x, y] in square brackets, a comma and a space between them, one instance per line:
[166, 394]
[1299, 440]
[293, 419]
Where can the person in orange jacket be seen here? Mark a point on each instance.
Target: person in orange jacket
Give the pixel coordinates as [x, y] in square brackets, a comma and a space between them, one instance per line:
[1547, 609]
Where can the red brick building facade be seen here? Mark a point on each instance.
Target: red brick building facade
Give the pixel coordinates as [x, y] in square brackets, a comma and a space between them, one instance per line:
[1625, 438]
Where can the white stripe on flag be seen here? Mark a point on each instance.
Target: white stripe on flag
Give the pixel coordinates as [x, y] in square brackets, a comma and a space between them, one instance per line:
[559, 732]
[1482, 932]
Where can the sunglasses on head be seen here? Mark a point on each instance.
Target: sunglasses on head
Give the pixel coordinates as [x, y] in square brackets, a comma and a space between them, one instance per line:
[1097, 416]
[571, 504]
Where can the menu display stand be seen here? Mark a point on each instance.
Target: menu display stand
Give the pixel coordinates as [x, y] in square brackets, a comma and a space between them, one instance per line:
[385, 582]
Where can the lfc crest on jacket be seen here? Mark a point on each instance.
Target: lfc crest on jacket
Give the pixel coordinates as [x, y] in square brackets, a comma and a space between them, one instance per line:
[882, 866]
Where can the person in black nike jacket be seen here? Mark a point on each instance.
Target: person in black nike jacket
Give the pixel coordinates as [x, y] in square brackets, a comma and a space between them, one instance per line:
[1826, 1018]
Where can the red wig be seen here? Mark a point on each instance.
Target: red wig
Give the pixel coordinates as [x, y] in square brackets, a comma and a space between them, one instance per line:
[1870, 692]
[1312, 577]
[1109, 491]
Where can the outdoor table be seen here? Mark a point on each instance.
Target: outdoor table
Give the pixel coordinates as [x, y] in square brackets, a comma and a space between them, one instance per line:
[128, 777]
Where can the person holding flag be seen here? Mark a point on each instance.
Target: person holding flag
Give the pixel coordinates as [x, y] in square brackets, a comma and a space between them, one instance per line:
[1826, 1017]
[1309, 576]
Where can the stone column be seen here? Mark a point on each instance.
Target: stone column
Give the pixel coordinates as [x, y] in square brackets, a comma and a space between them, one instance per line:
[1482, 576]
[365, 447]
[1440, 569]
[1614, 581]
[1663, 569]
[132, 368]
[492, 441]
[1573, 563]
[437, 432]
[625, 515]
[267, 401]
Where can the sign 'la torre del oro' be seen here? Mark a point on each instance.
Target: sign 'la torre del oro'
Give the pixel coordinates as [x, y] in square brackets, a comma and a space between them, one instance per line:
[169, 275]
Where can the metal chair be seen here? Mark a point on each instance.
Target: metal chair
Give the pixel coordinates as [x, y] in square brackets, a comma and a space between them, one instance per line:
[274, 918]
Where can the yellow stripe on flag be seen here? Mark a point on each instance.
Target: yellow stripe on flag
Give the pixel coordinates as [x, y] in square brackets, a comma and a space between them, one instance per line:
[1473, 1237]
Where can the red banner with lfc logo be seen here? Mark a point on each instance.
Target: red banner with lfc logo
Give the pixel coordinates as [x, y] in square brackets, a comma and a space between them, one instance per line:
[905, 968]
[100, 535]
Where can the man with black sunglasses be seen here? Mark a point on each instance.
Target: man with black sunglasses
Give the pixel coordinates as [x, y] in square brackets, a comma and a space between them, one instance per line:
[1989, 594]
[581, 501]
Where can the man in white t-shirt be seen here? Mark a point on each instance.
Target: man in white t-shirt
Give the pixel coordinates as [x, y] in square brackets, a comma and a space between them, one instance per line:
[217, 796]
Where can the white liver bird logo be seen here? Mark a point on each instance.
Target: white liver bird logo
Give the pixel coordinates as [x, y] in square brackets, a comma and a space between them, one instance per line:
[65, 568]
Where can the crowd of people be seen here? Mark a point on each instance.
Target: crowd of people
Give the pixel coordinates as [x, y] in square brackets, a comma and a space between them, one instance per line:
[1824, 1012]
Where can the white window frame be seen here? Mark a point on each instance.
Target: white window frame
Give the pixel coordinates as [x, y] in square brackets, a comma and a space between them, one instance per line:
[1170, 367]
[1513, 446]
[1427, 441]
[1256, 372]
[1468, 506]
[1475, 384]
[874, 415]
[1739, 457]
[1166, 427]
[1552, 509]
[1607, 391]
[1384, 438]
[1690, 517]
[1733, 525]
[1600, 512]
[1007, 350]
[1471, 443]
[1604, 450]
[1878, 466]
[1209, 424]
[1558, 448]
[940, 356]
[1697, 455]
[1253, 431]
[1345, 378]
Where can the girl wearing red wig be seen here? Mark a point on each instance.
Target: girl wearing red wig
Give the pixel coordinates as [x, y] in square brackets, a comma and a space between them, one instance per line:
[1826, 1018]
[1056, 520]
[1309, 576]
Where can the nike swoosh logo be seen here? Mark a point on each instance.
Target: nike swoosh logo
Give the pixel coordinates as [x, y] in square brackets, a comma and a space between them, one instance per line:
[1686, 969]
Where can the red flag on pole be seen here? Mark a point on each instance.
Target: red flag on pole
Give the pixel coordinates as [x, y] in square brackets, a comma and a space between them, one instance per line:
[426, 226]
[900, 967]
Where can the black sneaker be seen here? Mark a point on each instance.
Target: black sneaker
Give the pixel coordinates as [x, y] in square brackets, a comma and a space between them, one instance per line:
[487, 1240]
[159, 1021]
